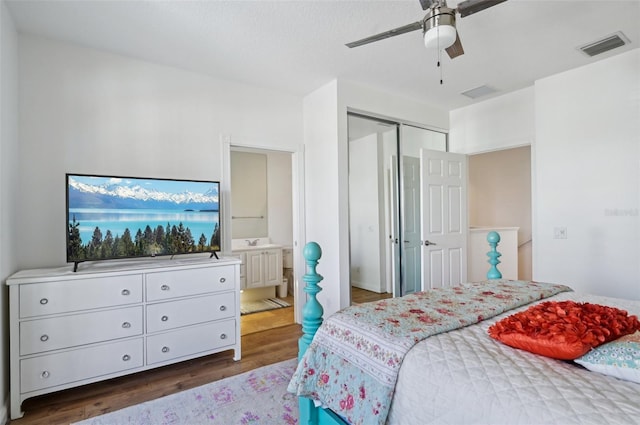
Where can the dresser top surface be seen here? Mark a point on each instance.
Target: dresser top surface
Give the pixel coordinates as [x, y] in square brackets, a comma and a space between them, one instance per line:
[117, 267]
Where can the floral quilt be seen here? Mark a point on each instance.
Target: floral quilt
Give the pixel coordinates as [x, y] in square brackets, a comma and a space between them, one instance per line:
[352, 364]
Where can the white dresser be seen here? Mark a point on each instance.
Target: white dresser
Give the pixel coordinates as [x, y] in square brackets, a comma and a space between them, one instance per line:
[114, 318]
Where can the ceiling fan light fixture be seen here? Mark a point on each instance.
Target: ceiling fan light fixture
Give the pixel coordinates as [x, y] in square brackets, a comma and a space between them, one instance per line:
[440, 37]
[440, 28]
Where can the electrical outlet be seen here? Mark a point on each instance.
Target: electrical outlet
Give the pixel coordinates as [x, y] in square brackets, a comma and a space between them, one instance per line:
[560, 233]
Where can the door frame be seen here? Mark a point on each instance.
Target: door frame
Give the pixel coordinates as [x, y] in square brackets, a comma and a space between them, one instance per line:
[298, 213]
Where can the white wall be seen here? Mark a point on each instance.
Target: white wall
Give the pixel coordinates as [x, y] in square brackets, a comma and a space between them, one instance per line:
[8, 181]
[279, 198]
[321, 192]
[587, 177]
[502, 122]
[584, 125]
[87, 111]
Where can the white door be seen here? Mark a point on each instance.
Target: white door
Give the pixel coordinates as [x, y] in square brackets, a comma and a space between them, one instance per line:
[255, 269]
[444, 220]
[411, 242]
[273, 267]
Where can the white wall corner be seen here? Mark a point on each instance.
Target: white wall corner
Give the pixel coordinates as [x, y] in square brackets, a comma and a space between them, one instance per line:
[502, 122]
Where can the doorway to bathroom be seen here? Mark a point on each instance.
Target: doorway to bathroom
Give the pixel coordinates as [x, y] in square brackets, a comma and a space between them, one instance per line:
[261, 215]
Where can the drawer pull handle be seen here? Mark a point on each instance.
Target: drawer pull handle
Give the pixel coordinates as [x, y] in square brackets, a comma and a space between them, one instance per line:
[125, 292]
[44, 301]
[126, 358]
[164, 287]
[223, 280]
[126, 325]
[44, 338]
[45, 374]
[223, 307]
[223, 336]
[164, 318]
[165, 349]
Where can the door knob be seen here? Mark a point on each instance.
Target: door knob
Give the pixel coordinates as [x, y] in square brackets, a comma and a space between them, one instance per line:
[427, 243]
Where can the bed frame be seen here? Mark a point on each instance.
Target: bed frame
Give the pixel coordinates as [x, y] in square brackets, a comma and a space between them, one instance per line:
[312, 312]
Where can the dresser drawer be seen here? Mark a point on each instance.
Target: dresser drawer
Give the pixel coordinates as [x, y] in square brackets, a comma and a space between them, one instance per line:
[84, 363]
[174, 314]
[180, 283]
[79, 329]
[188, 341]
[39, 299]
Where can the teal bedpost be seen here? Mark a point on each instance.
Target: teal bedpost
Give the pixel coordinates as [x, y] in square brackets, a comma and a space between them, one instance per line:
[311, 321]
[493, 238]
[312, 310]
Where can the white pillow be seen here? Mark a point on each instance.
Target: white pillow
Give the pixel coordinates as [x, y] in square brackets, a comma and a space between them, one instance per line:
[619, 358]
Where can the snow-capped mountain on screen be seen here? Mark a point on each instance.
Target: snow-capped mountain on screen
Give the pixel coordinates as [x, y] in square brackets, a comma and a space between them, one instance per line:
[131, 193]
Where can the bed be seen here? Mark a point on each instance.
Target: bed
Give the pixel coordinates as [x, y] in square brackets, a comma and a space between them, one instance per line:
[456, 373]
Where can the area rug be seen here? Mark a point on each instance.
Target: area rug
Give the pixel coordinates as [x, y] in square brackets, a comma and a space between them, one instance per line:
[248, 307]
[256, 397]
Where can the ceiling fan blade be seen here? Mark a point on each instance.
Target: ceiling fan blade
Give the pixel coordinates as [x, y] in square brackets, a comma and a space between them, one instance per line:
[387, 34]
[469, 7]
[426, 4]
[455, 49]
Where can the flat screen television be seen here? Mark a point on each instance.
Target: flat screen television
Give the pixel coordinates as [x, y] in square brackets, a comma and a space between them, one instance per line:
[111, 217]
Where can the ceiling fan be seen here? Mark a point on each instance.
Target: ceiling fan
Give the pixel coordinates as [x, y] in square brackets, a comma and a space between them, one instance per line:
[438, 26]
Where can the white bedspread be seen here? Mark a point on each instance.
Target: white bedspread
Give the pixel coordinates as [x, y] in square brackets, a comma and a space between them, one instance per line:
[466, 377]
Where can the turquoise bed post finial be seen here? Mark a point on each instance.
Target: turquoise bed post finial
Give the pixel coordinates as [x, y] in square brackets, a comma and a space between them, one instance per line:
[311, 321]
[312, 310]
[493, 238]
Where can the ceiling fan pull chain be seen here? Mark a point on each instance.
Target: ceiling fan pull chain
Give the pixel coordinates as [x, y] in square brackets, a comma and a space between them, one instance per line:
[439, 53]
[440, 59]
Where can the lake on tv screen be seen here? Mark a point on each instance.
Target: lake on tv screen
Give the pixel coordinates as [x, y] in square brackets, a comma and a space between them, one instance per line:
[198, 222]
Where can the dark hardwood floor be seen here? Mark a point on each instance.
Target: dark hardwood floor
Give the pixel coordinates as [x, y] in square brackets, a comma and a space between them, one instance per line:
[268, 337]
[359, 296]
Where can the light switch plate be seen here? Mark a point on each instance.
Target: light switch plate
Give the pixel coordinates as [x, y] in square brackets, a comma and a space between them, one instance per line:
[560, 232]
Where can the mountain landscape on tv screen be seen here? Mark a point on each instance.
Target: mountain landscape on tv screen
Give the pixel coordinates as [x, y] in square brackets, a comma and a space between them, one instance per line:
[122, 196]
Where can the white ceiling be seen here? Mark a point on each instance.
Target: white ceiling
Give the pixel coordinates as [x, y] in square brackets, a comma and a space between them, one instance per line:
[297, 46]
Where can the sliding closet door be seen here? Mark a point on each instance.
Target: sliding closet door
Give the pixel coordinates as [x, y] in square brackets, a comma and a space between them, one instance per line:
[386, 205]
[372, 147]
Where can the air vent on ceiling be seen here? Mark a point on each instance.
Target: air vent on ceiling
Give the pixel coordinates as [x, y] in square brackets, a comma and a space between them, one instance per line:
[604, 45]
[479, 92]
